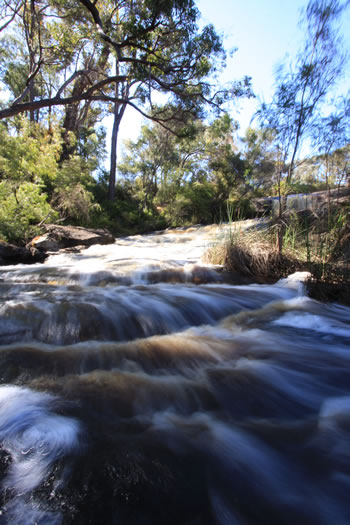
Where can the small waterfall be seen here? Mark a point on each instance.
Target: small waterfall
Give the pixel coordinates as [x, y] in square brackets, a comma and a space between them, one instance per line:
[298, 202]
[139, 386]
[316, 201]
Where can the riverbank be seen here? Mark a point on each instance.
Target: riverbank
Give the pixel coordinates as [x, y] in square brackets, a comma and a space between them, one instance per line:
[247, 251]
[254, 253]
[54, 238]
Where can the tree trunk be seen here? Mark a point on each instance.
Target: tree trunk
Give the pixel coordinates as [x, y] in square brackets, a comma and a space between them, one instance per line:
[31, 45]
[31, 98]
[118, 115]
[280, 231]
[114, 145]
[74, 118]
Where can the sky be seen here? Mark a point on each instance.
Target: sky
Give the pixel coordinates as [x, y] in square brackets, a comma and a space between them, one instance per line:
[265, 32]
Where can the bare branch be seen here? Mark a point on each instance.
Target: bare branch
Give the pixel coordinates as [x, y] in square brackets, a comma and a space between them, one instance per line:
[70, 80]
[15, 11]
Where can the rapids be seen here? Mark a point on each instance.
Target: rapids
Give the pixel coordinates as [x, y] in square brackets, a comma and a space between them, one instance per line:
[138, 386]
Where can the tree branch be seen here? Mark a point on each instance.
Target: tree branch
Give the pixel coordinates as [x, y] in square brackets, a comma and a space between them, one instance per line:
[15, 11]
[70, 80]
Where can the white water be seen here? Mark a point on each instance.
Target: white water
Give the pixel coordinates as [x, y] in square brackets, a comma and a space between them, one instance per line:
[139, 387]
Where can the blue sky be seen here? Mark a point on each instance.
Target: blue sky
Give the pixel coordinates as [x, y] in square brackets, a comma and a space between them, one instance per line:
[265, 32]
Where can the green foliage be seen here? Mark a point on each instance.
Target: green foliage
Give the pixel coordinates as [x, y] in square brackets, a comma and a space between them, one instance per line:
[192, 206]
[21, 210]
[75, 202]
[260, 157]
[31, 154]
[124, 215]
[36, 186]
[238, 207]
[188, 176]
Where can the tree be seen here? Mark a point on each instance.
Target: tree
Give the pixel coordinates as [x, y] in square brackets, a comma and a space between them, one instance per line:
[35, 186]
[156, 48]
[260, 155]
[331, 135]
[190, 177]
[302, 87]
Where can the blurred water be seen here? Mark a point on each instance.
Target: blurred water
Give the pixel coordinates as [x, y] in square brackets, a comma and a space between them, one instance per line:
[139, 387]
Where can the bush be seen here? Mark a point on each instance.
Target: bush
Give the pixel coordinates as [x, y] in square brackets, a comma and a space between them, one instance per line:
[124, 215]
[195, 204]
[21, 210]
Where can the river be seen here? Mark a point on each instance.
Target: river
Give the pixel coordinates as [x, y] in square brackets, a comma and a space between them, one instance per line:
[138, 386]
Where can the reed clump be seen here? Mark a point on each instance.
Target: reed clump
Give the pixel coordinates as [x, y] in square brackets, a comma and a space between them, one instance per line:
[319, 244]
[251, 253]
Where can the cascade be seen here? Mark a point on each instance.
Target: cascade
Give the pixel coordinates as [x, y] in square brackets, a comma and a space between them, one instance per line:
[139, 385]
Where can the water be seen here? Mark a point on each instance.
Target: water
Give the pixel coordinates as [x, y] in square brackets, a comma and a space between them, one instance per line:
[139, 387]
[301, 201]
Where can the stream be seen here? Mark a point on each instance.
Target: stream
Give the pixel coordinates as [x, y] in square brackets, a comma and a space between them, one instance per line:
[139, 387]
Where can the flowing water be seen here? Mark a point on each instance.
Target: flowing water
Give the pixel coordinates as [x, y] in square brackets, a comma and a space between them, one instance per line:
[139, 387]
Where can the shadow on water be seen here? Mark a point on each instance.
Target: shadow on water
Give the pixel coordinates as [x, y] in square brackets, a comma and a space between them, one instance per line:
[172, 403]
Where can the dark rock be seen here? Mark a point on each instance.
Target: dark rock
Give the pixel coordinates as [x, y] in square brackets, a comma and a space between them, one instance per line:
[59, 237]
[306, 217]
[11, 254]
[262, 207]
[328, 291]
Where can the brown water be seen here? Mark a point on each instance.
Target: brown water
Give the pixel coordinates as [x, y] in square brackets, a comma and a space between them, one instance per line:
[137, 387]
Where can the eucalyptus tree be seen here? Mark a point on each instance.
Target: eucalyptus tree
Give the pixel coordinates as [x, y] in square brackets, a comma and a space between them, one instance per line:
[330, 137]
[302, 87]
[140, 47]
[197, 170]
[260, 156]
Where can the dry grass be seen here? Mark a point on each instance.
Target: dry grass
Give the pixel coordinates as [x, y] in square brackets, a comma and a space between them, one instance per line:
[252, 253]
[319, 244]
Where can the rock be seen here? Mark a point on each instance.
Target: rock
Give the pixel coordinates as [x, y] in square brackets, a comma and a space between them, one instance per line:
[262, 207]
[59, 237]
[306, 217]
[11, 254]
[44, 243]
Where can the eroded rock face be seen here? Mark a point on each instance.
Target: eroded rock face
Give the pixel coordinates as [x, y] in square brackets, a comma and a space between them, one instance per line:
[11, 254]
[58, 237]
[44, 243]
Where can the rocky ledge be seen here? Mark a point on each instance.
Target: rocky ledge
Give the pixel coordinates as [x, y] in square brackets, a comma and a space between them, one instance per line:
[59, 237]
[11, 254]
[55, 238]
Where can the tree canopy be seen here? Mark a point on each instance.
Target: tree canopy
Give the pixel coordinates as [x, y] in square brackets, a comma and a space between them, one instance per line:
[157, 44]
[302, 87]
[90, 58]
[65, 66]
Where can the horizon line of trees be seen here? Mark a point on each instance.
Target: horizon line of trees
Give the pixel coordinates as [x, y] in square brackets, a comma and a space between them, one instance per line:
[66, 65]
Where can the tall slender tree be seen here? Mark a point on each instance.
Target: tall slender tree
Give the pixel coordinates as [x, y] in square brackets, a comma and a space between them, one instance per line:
[302, 87]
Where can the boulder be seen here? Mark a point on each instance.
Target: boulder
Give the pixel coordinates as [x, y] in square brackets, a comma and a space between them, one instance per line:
[11, 254]
[58, 237]
[262, 206]
[44, 243]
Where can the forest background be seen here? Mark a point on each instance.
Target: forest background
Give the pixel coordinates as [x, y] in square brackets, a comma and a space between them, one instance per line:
[65, 66]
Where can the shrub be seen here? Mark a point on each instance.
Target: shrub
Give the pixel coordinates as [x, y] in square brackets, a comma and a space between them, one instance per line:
[21, 210]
